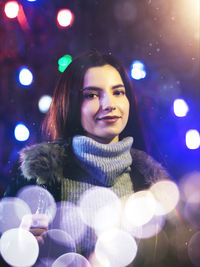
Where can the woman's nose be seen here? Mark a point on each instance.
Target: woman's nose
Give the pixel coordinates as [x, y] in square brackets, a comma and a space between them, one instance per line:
[107, 103]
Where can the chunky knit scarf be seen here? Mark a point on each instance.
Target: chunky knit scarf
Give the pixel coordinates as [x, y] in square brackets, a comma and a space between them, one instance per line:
[104, 162]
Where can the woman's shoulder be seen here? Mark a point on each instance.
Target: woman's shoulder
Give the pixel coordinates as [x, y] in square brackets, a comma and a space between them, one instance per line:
[39, 164]
[43, 161]
[148, 167]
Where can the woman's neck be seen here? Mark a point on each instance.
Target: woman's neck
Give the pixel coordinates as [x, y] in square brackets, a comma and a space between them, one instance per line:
[104, 140]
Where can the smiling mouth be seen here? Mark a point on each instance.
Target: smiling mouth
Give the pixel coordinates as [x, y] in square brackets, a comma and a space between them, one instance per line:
[109, 118]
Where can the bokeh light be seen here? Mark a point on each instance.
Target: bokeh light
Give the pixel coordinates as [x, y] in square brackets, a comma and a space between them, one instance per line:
[138, 70]
[180, 107]
[25, 76]
[116, 247]
[69, 219]
[192, 139]
[193, 249]
[148, 230]
[21, 132]
[100, 208]
[64, 18]
[167, 195]
[11, 9]
[189, 184]
[44, 103]
[71, 260]
[192, 210]
[63, 62]
[96, 263]
[19, 247]
[139, 208]
[57, 243]
[12, 210]
[39, 200]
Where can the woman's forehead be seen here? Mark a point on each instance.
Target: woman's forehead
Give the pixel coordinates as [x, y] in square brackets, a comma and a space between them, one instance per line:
[101, 76]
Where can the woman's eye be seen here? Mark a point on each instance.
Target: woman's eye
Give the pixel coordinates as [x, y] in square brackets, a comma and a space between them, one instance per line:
[121, 92]
[90, 96]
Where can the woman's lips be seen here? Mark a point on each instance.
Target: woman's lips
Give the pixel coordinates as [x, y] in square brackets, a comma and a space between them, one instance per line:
[110, 119]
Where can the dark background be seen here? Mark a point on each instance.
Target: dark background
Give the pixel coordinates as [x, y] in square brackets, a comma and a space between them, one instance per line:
[165, 35]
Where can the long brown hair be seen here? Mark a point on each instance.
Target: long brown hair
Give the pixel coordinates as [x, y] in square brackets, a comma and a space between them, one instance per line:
[63, 119]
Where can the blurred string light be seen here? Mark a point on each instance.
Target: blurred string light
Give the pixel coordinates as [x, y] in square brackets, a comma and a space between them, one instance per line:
[192, 139]
[21, 132]
[44, 103]
[25, 76]
[63, 62]
[138, 70]
[22, 19]
[11, 9]
[180, 107]
[64, 18]
[31, 0]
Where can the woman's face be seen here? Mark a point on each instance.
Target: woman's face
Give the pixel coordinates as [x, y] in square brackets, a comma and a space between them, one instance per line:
[105, 106]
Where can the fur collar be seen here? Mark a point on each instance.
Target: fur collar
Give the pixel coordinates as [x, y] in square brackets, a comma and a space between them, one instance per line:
[44, 161]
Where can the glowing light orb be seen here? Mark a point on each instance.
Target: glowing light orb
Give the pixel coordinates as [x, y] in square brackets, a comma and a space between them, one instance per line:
[63, 62]
[180, 107]
[39, 200]
[117, 247]
[71, 260]
[65, 18]
[69, 219]
[139, 208]
[167, 195]
[25, 76]
[11, 9]
[192, 139]
[44, 103]
[12, 210]
[57, 243]
[19, 247]
[189, 185]
[148, 230]
[100, 208]
[193, 249]
[21, 132]
[192, 210]
[138, 70]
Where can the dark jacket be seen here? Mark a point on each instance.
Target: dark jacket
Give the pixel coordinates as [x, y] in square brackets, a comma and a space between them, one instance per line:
[46, 164]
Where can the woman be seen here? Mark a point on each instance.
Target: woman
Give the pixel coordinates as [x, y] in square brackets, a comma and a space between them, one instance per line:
[95, 134]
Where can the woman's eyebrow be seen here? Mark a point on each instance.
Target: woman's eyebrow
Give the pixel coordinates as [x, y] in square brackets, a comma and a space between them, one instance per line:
[94, 88]
[118, 86]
